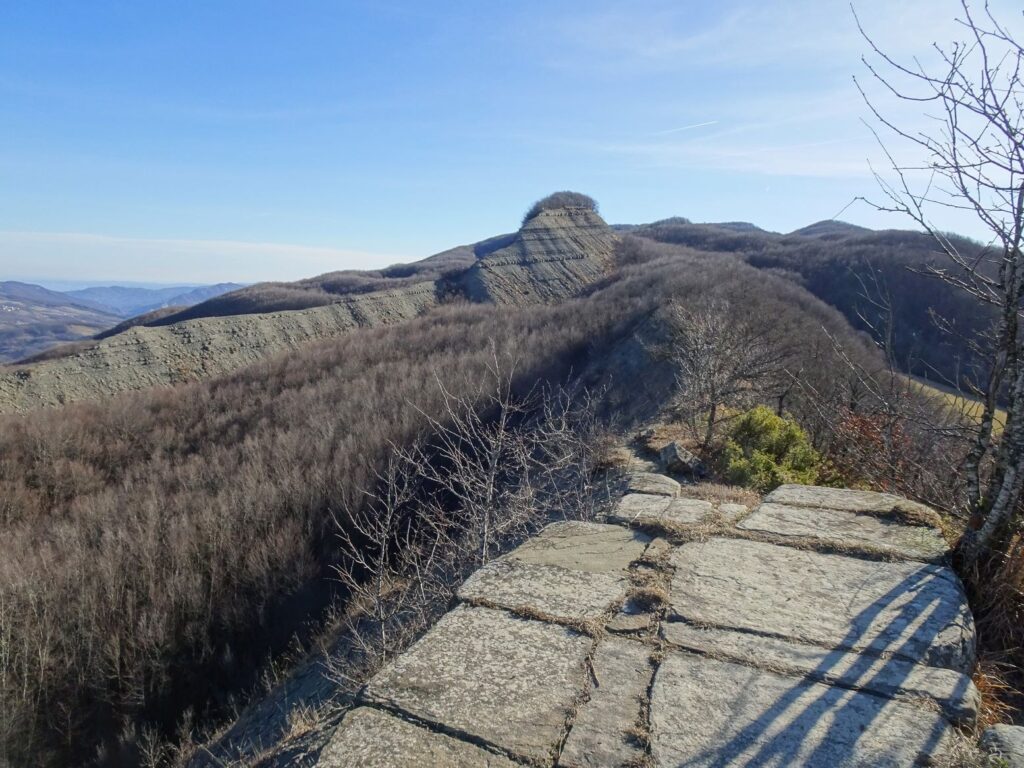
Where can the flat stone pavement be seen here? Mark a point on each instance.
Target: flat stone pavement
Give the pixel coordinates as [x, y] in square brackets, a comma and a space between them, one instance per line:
[822, 628]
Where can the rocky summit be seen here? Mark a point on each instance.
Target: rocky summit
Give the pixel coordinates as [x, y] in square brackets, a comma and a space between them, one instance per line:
[688, 637]
[554, 255]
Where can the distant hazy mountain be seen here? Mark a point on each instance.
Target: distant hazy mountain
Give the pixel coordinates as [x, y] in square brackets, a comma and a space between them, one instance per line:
[130, 301]
[33, 318]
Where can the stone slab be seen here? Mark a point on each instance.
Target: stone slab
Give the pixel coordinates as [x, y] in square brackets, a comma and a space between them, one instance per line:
[848, 530]
[732, 512]
[582, 546]
[952, 691]
[651, 482]
[1006, 742]
[507, 681]
[599, 735]
[630, 621]
[545, 591]
[649, 509]
[911, 610]
[706, 712]
[658, 550]
[370, 738]
[846, 499]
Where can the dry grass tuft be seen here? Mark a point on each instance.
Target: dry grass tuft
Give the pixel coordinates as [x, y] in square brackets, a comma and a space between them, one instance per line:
[650, 597]
[962, 751]
[717, 494]
[304, 719]
[657, 436]
[992, 679]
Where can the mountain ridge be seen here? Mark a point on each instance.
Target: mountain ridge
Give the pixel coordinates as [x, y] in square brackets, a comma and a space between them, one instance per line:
[554, 255]
[33, 318]
[128, 301]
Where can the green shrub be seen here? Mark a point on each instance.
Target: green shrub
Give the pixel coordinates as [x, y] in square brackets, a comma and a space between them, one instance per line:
[764, 450]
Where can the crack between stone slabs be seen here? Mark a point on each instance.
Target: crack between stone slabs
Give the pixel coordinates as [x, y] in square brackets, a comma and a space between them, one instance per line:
[895, 514]
[642, 730]
[593, 628]
[823, 547]
[658, 645]
[919, 701]
[875, 654]
[454, 733]
[578, 702]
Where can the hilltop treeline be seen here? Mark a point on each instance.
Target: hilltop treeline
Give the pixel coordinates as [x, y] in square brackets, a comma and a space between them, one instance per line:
[154, 548]
[563, 199]
[876, 279]
[860, 272]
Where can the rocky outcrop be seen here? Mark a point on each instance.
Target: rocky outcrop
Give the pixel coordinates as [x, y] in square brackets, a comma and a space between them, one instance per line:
[677, 460]
[652, 483]
[1005, 743]
[672, 636]
[198, 349]
[556, 254]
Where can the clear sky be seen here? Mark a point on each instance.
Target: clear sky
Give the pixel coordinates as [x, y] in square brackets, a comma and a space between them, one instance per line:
[201, 141]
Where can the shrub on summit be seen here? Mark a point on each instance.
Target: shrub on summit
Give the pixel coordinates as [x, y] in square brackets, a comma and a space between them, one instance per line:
[564, 199]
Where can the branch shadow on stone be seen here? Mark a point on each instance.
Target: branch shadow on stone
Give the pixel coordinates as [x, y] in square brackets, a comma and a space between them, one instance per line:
[790, 731]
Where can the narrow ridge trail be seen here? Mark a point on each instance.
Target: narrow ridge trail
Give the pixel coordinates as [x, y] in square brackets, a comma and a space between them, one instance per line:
[823, 627]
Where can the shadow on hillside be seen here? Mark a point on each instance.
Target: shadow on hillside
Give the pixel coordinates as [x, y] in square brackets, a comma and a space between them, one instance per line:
[779, 736]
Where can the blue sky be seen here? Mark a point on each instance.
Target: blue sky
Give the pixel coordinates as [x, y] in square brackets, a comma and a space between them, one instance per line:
[208, 141]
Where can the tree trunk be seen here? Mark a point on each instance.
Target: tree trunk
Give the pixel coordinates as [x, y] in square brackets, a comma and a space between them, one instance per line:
[1005, 491]
[710, 433]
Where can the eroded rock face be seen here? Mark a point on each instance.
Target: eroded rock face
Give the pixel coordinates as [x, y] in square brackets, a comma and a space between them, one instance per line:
[198, 349]
[553, 256]
[556, 254]
[910, 610]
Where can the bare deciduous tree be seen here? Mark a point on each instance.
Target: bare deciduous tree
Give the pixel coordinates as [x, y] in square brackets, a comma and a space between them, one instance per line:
[721, 358]
[973, 161]
[488, 472]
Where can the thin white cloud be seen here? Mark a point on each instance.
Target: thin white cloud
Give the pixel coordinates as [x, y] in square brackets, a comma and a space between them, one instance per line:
[685, 128]
[81, 256]
[667, 35]
[828, 158]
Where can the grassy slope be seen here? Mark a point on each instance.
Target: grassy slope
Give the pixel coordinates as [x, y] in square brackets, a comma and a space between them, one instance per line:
[957, 402]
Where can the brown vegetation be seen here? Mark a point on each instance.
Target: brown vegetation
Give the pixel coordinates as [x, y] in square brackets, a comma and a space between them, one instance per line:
[155, 547]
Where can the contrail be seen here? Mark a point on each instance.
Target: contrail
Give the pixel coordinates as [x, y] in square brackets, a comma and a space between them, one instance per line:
[685, 128]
